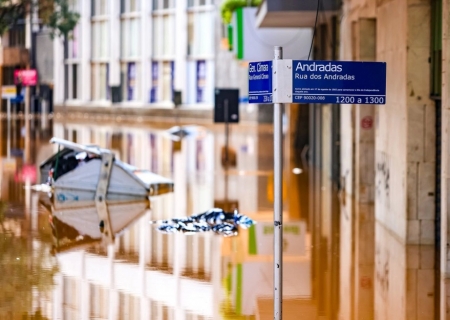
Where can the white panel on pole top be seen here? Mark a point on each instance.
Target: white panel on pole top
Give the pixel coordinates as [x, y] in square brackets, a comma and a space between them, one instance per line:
[282, 81]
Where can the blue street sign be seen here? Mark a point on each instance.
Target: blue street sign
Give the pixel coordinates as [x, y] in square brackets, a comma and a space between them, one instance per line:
[338, 82]
[260, 82]
[17, 99]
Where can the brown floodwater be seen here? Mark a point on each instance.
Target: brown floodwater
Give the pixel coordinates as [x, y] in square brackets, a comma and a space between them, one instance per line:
[53, 267]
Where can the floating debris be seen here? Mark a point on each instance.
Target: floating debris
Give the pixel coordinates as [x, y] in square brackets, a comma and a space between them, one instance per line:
[215, 220]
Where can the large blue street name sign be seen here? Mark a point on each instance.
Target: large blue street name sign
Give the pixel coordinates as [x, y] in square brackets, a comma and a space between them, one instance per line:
[338, 82]
[260, 82]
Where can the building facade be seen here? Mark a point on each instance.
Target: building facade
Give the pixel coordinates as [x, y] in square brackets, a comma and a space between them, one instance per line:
[393, 165]
[137, 52]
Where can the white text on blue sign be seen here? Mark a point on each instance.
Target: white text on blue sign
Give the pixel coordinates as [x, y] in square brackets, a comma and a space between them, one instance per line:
[260, 82]
[340, 82]
[337, 82]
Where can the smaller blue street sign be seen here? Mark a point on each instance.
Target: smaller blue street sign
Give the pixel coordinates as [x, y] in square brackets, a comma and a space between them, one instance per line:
[260, 82]
[340, 82]
[17, 99]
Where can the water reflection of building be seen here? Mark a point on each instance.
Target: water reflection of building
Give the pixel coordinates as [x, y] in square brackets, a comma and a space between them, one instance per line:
[25, 252]
[250, 270]
[147, 274]
[196, 164]
[144, 275]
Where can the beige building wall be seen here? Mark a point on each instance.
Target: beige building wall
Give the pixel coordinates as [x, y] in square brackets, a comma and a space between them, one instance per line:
[387, 219]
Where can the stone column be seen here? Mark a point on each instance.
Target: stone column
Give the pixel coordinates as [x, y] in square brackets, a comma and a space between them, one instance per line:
[364, 36]
[405, 165]
[445, 174]
[347, 173]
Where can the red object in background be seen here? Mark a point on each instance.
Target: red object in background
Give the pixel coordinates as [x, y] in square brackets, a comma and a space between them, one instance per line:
[367, 122]
[27, 77]
[27, 173]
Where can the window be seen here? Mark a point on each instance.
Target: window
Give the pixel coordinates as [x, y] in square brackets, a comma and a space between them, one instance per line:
[130, 81]
[72, 65]
[130, 37]
[201, 81]
[100, 36]
[163, 4]
[167, 80]
[100, 50]
[99, 81]
[74, 44]
[100, 29]
[8, 75]
[164, 36]
[196, 3]
[127, 6]
[99, 7]
[162, 81]
[74, 5]
[200, 33]
[16, 36]
[154, 84]
[73, 59]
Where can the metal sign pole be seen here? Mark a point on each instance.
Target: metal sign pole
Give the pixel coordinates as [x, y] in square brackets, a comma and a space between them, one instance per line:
[278, 203]
[225, 109]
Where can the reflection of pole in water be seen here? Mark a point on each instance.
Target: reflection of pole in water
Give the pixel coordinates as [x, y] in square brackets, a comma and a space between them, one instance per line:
[8, 141]
[227, 132]
[44, 117]
[225, 110]
[13, 126]
[27, 125]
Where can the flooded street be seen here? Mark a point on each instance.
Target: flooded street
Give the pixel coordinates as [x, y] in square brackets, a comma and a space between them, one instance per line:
[56, 265]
